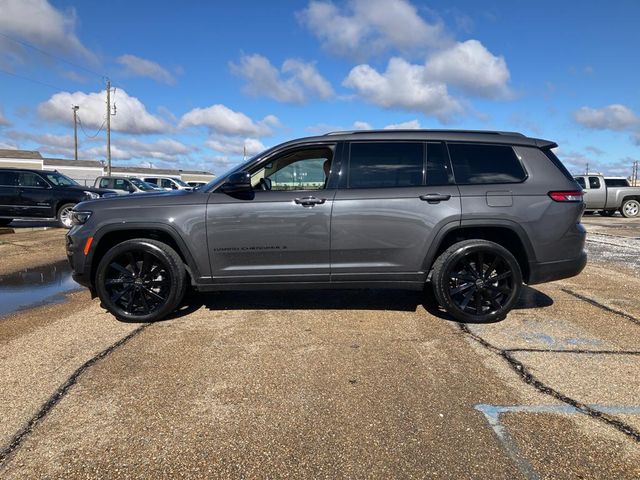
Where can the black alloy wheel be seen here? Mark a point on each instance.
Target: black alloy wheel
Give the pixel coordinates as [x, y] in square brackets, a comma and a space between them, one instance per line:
[477, 281]
[140, 280]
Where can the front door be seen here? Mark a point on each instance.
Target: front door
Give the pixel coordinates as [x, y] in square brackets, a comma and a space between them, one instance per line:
[279, 232]
[393, 199]
[36, 199]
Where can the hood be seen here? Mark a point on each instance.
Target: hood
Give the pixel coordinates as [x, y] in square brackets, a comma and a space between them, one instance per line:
[80, 188]
[162, 198]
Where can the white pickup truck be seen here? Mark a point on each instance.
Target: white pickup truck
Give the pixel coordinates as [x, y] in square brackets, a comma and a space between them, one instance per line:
[609, 195]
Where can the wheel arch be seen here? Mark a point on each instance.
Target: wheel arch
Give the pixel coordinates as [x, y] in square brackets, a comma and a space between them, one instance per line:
[505, 233]
[109, 236]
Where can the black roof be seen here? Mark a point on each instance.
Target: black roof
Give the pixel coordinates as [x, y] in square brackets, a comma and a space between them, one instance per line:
[480, 136]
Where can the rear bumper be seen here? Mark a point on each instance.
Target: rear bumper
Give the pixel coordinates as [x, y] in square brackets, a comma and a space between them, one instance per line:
[550, 271]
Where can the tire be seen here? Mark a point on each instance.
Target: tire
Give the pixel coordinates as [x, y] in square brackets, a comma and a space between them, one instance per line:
[63, 216]
[5, 221]
[630, 208]
[607, 213]
[141, 280]
[472, 296]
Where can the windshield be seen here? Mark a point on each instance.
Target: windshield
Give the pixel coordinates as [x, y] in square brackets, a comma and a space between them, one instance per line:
[142, 185]
[59, 180]
[179, 182]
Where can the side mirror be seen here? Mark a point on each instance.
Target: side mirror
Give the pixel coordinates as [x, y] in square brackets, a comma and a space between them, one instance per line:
[237, 182]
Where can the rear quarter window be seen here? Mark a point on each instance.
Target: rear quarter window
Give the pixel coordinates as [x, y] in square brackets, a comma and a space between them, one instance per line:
[484, 164]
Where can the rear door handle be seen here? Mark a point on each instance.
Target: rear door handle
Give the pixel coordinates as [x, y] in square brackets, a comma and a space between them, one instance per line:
[434, 197]
[310, 201]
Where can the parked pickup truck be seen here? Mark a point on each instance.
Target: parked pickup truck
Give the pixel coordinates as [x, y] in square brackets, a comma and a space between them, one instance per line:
[600, 195]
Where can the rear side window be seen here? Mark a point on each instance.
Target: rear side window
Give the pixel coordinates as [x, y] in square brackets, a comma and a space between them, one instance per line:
[8, 179]
[594, 182]
[438, 167]
[560, 166]
[478, 164]
[581, 182]
[393, 164]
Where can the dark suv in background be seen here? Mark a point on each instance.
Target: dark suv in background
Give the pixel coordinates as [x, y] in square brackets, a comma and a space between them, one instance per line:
[41, 195]
[475, 214]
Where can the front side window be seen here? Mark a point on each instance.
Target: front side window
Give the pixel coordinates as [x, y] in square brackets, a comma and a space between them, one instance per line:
[104, 183]
[392, 164]
[594, 182]
[32, 180]
[166, 183]
[299, 170]
[484, 164]
[8, 179]
[121, 184]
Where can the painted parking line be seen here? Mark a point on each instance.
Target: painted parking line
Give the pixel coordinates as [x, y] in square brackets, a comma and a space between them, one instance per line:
[492, 414]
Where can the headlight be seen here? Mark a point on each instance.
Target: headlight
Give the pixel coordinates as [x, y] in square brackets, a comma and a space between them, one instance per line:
[79, 217]
[92, 195]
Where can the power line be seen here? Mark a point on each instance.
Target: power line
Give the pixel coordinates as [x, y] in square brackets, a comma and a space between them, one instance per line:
[44, 52]
[84, 131]
[48, 85]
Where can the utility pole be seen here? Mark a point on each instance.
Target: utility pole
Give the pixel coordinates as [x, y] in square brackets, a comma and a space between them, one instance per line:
[108, 127]
[634, 173]
[75, 129]
[587, 172]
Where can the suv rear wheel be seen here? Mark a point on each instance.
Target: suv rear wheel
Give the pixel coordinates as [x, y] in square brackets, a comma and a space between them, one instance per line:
[141, 280]
[64, 215]
[477, 281]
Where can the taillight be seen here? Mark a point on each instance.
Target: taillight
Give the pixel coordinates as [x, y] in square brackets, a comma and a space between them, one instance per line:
[569, 196]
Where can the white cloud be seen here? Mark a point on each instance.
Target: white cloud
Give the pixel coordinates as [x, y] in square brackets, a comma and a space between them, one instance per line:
[612, 117]
[293, 83]
[410, 125]
[403, 86]
[369, 27]
[131, 117]
[470, 67]
[141, 67]
[236, 146]
[39, 23]
[221, 119]
[322, 128]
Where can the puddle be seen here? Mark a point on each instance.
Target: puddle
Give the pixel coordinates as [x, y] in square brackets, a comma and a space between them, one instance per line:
[36, 286]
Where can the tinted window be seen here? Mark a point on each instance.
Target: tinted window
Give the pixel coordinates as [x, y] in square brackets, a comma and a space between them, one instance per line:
[375, 165]
[477, 164]
[8, 179]
[581, 182]
[556, 161]
[438, 168]
[26, 179]
[166, 183]
[616, 182]
[104, 183]
[120, 184]
[594, 182]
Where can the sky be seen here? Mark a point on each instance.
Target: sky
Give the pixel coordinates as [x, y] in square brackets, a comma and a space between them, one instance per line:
[197, 85]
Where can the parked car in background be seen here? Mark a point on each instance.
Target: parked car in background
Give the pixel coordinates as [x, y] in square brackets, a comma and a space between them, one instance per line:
[42, 195]
[168, 183]
[125, 185]
[471, 214]
[196, 185]
[601, 195]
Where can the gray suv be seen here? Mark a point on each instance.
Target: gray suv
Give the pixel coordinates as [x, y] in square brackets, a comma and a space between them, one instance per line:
[473, 215]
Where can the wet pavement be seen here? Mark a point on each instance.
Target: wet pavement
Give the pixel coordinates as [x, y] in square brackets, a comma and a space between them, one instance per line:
[340, 384]
[35, 286]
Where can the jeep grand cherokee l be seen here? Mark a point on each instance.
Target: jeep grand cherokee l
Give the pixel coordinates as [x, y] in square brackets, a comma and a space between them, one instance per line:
[41, 195]
[472, 214]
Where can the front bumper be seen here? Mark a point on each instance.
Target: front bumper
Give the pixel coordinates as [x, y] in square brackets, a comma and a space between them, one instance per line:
[75, 242]
[541, 272]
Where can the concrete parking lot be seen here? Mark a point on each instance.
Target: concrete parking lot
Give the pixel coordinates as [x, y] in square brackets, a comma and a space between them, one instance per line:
[327, 384]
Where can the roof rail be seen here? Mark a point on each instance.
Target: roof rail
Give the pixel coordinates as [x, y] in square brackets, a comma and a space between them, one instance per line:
[354, 132]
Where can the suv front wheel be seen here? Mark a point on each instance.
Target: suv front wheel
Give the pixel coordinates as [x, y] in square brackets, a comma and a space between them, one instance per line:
[477, 281]
[141, 280]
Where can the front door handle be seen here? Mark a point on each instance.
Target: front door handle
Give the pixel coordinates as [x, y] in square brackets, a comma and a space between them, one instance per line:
[310, 201]
[434, 197]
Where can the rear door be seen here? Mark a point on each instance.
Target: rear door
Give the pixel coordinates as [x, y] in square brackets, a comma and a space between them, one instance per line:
[393, 199]
[279, 232]
[36, 198]
[9, 196]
